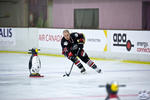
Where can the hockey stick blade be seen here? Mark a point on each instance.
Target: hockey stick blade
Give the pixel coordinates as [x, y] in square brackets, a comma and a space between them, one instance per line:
[66, 74]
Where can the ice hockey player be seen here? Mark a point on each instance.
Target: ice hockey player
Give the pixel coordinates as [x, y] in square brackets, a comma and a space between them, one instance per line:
[71, 43]
[34, 63]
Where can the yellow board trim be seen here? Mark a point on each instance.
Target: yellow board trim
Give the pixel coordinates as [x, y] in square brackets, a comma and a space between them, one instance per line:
[105, 32]
[14, 52]
[136, 62]
[105, 49]
[100, 59]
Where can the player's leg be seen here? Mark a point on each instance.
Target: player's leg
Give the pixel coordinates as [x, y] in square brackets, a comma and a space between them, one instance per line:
[80, 66]
[78, 63]
[94, 66]
[84, 57]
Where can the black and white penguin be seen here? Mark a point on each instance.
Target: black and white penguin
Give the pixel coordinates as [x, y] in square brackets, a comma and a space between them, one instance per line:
[34, 63]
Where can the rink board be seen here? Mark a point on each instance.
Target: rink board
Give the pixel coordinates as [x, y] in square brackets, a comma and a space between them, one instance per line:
[108, 44]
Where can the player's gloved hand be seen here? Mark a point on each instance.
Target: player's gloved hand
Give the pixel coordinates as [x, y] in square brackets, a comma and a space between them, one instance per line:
[71, 56]
[80, 42]
[75, 47]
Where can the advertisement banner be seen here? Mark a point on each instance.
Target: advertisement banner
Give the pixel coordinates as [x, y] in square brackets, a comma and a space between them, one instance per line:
[50, 38]
[124, 41]
[95, 40]
[7, 37]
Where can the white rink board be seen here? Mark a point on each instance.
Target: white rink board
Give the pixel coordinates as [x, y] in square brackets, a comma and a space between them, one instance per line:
[99, 43]
[51, 38]
[140, 41]
[7, 37]
[95, 40]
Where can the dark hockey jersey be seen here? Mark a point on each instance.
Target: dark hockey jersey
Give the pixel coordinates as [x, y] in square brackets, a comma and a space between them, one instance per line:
[75, 39]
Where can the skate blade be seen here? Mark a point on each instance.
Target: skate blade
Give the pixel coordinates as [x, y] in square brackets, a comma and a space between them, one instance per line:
[84, 73]
[99, 71]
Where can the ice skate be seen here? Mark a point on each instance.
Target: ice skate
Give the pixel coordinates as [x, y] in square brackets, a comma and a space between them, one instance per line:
[83, 71]
[96, 68]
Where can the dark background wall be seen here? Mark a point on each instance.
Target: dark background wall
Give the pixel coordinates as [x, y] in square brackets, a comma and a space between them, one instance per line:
[113, 14]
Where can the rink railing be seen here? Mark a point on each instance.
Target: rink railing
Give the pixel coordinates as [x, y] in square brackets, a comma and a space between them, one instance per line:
[125, 45]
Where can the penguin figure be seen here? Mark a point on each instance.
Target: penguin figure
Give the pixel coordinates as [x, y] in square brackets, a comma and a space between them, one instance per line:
[34, 63]
[112, 90]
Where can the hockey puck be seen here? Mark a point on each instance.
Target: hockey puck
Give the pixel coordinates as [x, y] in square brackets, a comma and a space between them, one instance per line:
[64, 75]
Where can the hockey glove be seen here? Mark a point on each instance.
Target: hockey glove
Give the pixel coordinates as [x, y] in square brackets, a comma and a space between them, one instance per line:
[65, 51]
[80, 42]
[71, 56]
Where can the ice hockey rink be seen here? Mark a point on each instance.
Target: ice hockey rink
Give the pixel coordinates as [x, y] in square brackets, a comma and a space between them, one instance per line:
[15, 83]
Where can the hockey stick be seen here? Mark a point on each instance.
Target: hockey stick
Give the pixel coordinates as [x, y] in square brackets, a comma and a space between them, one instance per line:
[68, 74]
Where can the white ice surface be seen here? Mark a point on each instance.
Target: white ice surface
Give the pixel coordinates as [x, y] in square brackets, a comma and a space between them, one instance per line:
[15, 83]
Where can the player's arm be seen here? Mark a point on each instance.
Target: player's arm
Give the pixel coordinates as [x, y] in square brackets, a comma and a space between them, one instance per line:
[66, 51]
[81, 40]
